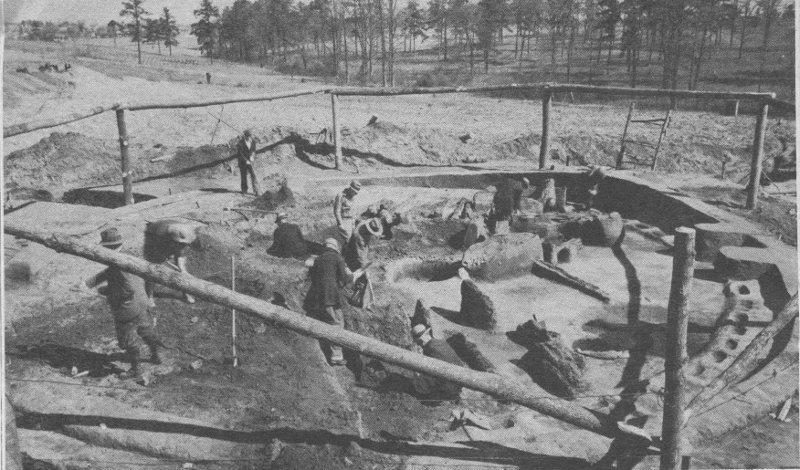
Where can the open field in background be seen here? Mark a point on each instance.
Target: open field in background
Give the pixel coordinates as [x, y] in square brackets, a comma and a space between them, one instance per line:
[756, 70]
[411, 134]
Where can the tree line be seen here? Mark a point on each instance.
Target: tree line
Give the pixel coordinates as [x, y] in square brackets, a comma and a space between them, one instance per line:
[353, 38]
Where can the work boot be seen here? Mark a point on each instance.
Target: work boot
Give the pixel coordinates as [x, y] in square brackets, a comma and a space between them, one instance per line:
[155, 357]
[337, 358]
[133, 358]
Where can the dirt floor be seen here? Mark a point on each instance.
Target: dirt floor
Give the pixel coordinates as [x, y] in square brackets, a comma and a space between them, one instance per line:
[284, 405]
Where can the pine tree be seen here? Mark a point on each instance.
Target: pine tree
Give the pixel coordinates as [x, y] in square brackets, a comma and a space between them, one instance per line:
[205, 29]
[134, 9]
[169, 30]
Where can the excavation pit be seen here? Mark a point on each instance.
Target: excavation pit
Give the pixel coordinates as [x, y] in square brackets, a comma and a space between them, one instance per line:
[284, 382]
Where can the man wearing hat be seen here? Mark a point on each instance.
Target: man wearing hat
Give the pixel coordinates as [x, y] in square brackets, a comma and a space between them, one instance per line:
[356, 256]
[287, 240]
[325, 298]
[426, 385]
[126, 296]
[167, 240]
[343, 210]
[245, 155]
[508, 197]
[595, 176]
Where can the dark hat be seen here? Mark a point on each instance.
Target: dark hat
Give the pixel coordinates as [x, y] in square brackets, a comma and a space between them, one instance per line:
[281, 216]
[248, 132]
[110, 237]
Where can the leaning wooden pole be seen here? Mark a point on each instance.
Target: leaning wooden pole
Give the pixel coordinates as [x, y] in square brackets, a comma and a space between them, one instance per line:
[547, 105]
[337, 132]
[675, 348]
[758, 157]
[748, 360]
[127, 180]
[492, 384]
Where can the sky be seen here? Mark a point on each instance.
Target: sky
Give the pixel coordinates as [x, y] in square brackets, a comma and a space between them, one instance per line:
[96, 11]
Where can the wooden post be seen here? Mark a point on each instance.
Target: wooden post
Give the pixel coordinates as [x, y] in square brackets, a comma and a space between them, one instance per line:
[337, 133]
[758, 156]
[234, 357]
[495, 385]
[675, 347]
[621, 155]
[664, 126]
[127, 180]
[547, 104]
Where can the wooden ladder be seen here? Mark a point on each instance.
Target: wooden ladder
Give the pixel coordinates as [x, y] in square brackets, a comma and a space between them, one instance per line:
[663, 123]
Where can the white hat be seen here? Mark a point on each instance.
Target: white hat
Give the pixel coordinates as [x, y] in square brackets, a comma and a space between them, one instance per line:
[332, 243]
[419, 330]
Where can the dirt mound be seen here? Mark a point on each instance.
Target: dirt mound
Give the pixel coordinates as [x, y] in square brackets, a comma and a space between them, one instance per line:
[63, 161]
[392, 145]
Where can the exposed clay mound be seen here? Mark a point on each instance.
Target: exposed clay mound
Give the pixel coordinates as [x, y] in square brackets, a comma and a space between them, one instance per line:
[393, 145]
[63, 161]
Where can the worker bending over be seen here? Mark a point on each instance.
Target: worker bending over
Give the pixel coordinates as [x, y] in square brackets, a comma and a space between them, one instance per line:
[508, 197]
[431, 387]
[287, 240]
[325, 298]
[166, 241]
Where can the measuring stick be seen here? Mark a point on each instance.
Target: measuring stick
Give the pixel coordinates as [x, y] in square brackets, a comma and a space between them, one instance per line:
[233, 314]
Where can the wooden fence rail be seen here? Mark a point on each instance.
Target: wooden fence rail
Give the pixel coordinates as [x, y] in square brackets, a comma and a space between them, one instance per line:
[244, 99]
[493, 384]
[546, 89]
[24, 128]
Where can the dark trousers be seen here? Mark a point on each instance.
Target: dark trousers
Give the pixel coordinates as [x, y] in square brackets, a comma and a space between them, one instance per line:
[246, 170]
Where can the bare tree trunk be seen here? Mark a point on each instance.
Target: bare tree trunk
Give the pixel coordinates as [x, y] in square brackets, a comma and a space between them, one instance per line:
[743, 27]
[392, 27]
[382, 28]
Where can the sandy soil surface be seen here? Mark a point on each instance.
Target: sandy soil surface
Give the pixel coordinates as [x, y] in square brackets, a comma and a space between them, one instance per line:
[284, 382]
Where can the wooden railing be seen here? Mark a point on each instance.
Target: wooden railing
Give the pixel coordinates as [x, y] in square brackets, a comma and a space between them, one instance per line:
[545, 89]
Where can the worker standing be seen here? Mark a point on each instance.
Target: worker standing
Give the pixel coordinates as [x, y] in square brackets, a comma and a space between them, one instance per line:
[167, 240]
[343, 210]
[325, 299]
[287, 240]
[245, 154]
[126, 296]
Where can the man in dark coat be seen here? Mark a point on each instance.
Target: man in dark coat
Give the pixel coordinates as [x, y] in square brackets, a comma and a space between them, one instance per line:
[325, 298]
[245, 155]
[126, 296]
[507, 198]
[431, 387]
[287, 240]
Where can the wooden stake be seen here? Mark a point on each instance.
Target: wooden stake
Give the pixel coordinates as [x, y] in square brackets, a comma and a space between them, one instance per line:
[337, 133]
[127, 180]
[235, 358]
[547, 104]
[661, 135]
[621, 155]
[758, 156]
[675, 348]
[495, 385]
